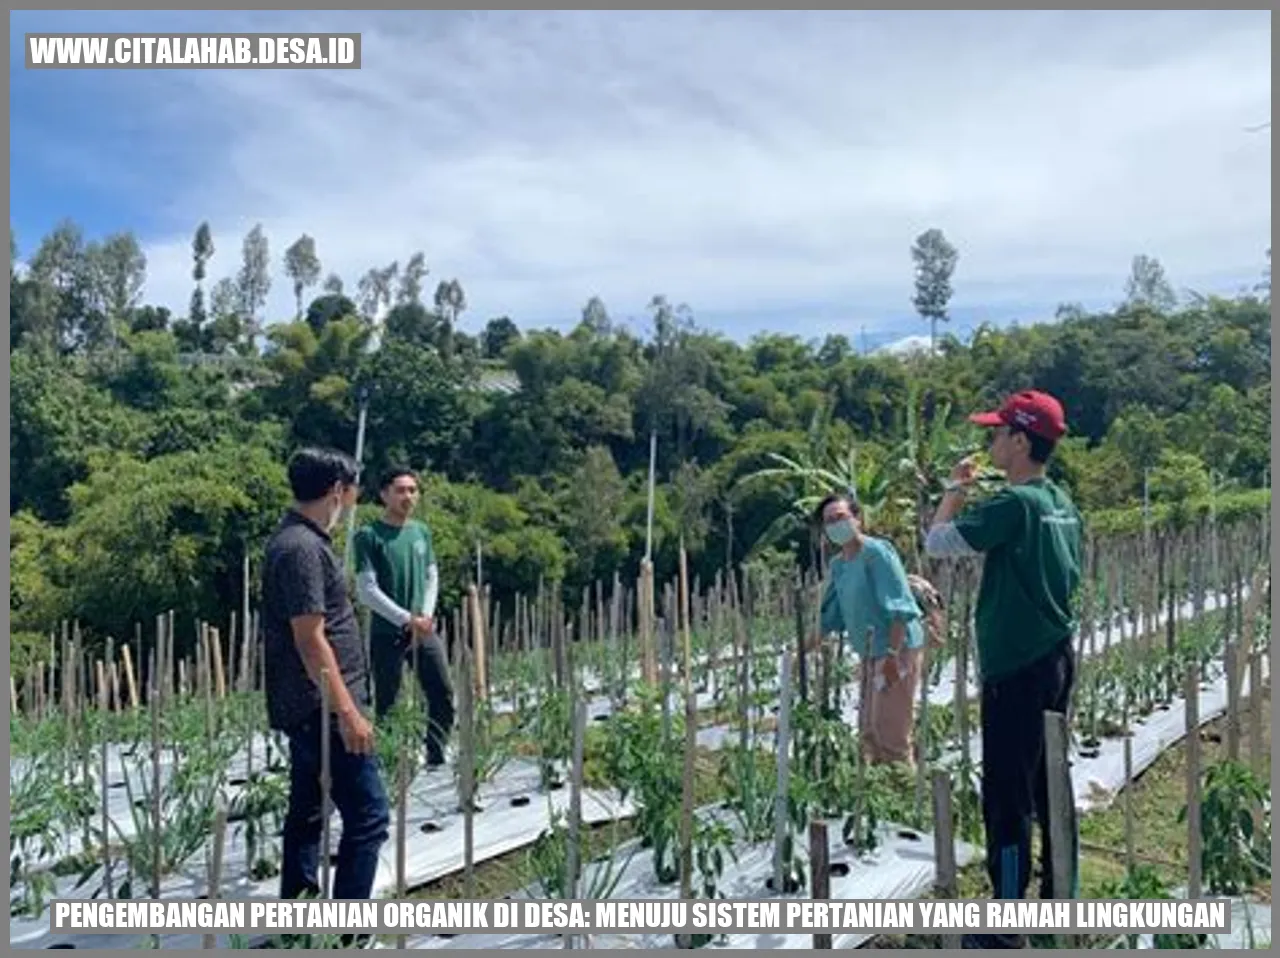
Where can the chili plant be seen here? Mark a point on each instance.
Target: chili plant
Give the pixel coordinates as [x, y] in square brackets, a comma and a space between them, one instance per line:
[260, 807]
[1144, 883]
[553, 731]
[639, 759]
[749, 782]
[548, 859]
[43, 806]
[1235, 855]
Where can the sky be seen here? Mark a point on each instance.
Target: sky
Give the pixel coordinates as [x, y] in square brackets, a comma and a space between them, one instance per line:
[770, 170]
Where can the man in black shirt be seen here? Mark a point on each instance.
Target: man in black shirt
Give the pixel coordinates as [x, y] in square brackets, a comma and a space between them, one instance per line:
[309, 626]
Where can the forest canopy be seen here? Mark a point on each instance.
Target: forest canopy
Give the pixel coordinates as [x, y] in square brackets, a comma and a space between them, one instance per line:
[148, 450]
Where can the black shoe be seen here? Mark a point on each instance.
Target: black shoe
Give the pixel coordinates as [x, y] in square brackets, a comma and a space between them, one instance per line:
[983, 940]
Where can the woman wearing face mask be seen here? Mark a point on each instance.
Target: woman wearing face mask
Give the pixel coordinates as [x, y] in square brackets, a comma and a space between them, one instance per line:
[868, 591]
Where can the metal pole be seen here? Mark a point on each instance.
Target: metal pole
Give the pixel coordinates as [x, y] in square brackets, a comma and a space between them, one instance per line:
[351, 519]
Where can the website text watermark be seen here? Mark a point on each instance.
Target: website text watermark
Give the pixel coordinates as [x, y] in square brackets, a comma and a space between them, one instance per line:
[187, 51]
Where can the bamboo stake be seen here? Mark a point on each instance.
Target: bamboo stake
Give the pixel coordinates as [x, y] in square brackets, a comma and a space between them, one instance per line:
[477, 623]
[215, 867]
[157, 826]
[466, 761]
[103, 743]
[944, 848]
[573, 866]
[1129, 837]
[686, 804]
[218, 672]
[1255, 712]
[1191, 690]
[1061, 810]
[780, 800]
[1233, 702]
[685, 625]
[645, 599]
[402, 833]
[820, 874]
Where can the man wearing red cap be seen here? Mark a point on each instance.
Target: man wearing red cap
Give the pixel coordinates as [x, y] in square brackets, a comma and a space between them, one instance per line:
[1031, 535]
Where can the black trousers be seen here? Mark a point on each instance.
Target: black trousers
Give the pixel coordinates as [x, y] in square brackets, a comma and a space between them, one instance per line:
[1014, 784]
[430, 664]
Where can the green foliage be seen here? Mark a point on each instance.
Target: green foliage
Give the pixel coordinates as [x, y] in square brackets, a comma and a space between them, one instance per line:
[1236, 854]
[147, 449]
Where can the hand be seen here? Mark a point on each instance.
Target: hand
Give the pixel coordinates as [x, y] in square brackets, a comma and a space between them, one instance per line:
[924, 590]
[421, 627]
[965, 473]
[356, 732]
[893, 670]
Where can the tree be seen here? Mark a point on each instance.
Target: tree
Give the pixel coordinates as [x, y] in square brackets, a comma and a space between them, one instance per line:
[333, 284]
[596, 318]
[498, 334]
[302, 265]
[201, 253]
[228, 326]
[120, 269]
[1147, 285]
[58, 314]
[450, 303]
[327, 308]
[935, 261]
[415, 271]
[254, 280]
[374, 290]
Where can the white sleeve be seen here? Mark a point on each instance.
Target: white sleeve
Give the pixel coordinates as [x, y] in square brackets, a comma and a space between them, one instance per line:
[377, 600]
[433, 591]
[945, 542]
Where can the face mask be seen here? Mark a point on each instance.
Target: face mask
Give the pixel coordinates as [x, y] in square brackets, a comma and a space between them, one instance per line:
[840, 532]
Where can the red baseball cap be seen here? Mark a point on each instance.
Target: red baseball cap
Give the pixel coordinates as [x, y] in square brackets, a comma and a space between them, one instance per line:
[1031, 410]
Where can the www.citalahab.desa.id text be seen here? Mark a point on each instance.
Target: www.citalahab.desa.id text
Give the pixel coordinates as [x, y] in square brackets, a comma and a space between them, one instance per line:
[227, 50]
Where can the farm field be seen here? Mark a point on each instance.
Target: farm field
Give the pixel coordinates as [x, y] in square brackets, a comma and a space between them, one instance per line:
[652, 752]
[630, 574]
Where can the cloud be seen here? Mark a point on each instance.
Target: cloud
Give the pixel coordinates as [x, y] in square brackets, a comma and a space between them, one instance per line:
[737, 162]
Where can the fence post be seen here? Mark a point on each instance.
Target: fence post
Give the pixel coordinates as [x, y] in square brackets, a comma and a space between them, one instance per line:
[1062, 826]
[944, 848]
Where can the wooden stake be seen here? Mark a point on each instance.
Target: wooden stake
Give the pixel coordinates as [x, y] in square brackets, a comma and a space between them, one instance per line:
[820, 873]
[1129, 838]
[645, 598]
[685, 624]
[103, 744]
[1233, 702]
[944, 848]
[402, 833]
[462, 648]
[215, 866]
[686, 798]
[478, 643]
[1061, 810]
[1191, 690]
[219, 674]
[573, 866]
[780, 807]
[1255, 712]
[157, 826]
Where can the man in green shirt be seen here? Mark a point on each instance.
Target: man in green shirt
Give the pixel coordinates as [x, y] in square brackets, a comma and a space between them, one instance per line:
[1030, 534]
[397, 578]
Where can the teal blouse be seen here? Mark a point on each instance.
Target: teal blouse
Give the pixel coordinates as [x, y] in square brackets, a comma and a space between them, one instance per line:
[870, 591]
